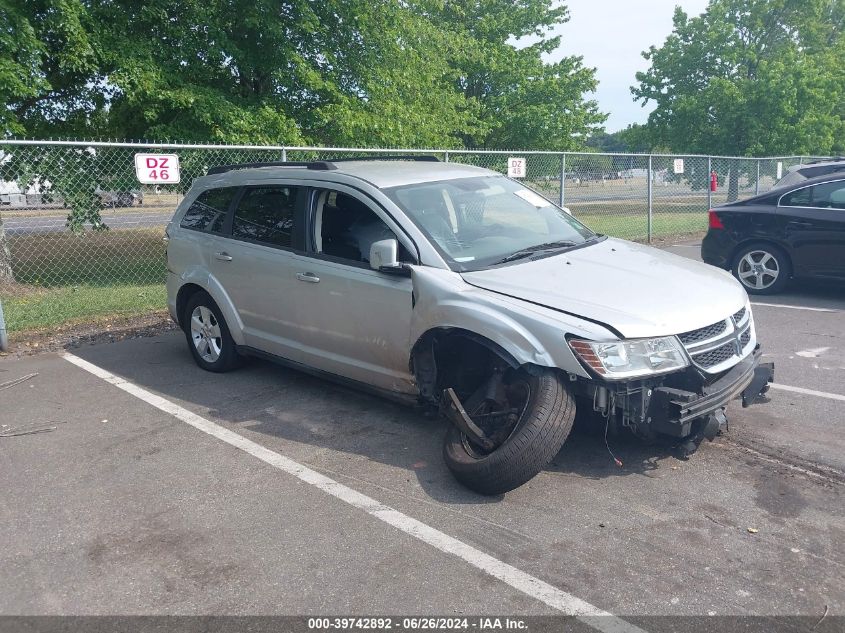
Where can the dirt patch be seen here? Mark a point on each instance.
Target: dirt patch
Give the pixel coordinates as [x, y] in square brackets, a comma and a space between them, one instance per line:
[101, 330]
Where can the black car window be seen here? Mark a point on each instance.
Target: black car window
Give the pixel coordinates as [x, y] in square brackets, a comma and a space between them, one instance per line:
[827, 195]
[266, 214]
[348, 228]
[208, 211]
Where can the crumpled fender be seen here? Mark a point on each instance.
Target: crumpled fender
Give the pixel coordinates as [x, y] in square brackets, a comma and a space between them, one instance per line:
[530, 334]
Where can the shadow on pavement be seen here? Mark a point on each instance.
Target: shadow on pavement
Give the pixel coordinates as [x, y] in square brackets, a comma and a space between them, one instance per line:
[292, 406]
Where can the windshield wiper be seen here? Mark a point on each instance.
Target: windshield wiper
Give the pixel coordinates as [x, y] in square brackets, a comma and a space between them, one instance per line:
[539, 248]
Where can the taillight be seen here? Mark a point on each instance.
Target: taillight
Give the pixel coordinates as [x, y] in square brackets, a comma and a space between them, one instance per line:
[714, 221]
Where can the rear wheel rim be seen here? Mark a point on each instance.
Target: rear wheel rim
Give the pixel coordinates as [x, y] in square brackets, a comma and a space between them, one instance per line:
[205, 334]
[758, 269]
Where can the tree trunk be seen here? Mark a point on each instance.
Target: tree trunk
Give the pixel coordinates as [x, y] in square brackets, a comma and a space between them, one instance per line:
[6, 275]
[733, 182]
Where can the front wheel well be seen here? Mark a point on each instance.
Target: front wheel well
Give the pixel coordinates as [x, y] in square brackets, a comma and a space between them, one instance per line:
[182, 297]
[457, 358]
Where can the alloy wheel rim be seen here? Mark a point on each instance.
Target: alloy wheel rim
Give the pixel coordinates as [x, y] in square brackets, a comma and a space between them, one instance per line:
[758, 270]
[205, 334]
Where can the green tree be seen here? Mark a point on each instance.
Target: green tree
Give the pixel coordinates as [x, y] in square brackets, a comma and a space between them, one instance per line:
[522, 100]
[749, 78]
[49, 77]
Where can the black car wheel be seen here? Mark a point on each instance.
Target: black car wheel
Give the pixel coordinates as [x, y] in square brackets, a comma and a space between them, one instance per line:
[762, 269]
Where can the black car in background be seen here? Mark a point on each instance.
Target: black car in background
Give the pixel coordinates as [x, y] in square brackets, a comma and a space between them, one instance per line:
[797, 231]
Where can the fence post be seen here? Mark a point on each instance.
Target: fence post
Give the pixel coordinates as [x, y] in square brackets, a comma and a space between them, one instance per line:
[4, 342]
[650, 174]
[284, 155]
[709, 188]
[446, 156]
[562, 179]
[757, 182]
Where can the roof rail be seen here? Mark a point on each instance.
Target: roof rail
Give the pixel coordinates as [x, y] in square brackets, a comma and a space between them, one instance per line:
[423, 158]
[321, 165]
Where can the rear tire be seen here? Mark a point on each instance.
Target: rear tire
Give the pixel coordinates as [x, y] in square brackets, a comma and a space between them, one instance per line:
[208, 336]
[542, 429]
[762, 269]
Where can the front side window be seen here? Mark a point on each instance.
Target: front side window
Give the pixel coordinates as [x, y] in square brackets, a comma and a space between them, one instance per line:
[828, 195]
[208, 211]
[479, 222]
[266, 215]
[346, 228]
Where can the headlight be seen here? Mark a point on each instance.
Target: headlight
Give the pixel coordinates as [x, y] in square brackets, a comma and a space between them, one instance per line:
[628, 359]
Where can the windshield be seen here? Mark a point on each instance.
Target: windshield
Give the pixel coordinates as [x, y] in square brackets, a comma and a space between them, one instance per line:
[792, 178]
[479, 222]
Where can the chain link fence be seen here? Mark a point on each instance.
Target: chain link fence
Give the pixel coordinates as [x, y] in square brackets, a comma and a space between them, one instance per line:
[81, 238]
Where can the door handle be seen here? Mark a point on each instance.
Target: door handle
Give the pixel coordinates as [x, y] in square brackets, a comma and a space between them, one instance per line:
[802, 225]
[311, 278]
[223, 257]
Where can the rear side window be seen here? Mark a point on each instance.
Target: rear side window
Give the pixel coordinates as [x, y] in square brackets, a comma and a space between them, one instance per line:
[266, 215]
[828, 195]
[208, 211]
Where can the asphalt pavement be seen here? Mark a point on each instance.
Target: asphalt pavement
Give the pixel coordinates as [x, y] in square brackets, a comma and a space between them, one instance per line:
[116, 219]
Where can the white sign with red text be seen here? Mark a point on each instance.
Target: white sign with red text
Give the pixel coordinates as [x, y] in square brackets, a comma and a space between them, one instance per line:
[157, 169]
[516, 167]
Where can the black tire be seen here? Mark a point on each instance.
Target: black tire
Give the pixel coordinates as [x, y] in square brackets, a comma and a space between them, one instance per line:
[775, 260]
[227, 357]
[541, 431]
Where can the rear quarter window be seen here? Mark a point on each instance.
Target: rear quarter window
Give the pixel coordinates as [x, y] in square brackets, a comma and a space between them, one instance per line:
[208, 211]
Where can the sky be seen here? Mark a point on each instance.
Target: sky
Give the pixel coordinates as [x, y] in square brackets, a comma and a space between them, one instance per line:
[610, 35]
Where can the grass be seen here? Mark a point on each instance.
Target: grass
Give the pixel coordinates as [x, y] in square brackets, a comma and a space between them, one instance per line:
[38, 310]
[61, 277]
[635, 226]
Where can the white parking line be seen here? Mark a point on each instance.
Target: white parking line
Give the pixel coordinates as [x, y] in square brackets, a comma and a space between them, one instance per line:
[784, 305]
[534, 587]
[808, 392]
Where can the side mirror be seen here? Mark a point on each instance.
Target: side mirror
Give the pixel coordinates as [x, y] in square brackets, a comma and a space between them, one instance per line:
[383, 254]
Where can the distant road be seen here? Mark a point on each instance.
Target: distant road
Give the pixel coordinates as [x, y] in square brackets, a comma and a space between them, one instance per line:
[37, 223]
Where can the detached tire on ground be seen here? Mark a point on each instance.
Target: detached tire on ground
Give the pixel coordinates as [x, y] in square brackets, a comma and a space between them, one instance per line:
[208, 336]
[539, 433]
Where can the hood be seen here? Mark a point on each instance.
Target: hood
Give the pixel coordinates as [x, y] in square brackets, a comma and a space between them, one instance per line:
[637, 290]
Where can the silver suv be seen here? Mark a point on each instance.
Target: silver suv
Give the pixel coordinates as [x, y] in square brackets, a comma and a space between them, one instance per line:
[463, 291]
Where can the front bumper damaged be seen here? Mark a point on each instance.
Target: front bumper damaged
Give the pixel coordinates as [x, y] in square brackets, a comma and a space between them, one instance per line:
[675, 411]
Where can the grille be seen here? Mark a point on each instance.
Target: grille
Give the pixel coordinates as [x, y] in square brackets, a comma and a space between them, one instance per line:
[704, 333]
[746, 336]
[716, 356]
[739, 316]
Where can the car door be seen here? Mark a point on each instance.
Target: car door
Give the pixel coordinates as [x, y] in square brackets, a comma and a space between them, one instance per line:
[814, 226]
[356, 320]
[255, 267]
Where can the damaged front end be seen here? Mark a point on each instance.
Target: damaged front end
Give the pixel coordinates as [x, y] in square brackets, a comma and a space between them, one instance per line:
[724, 363]
[688, 405]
